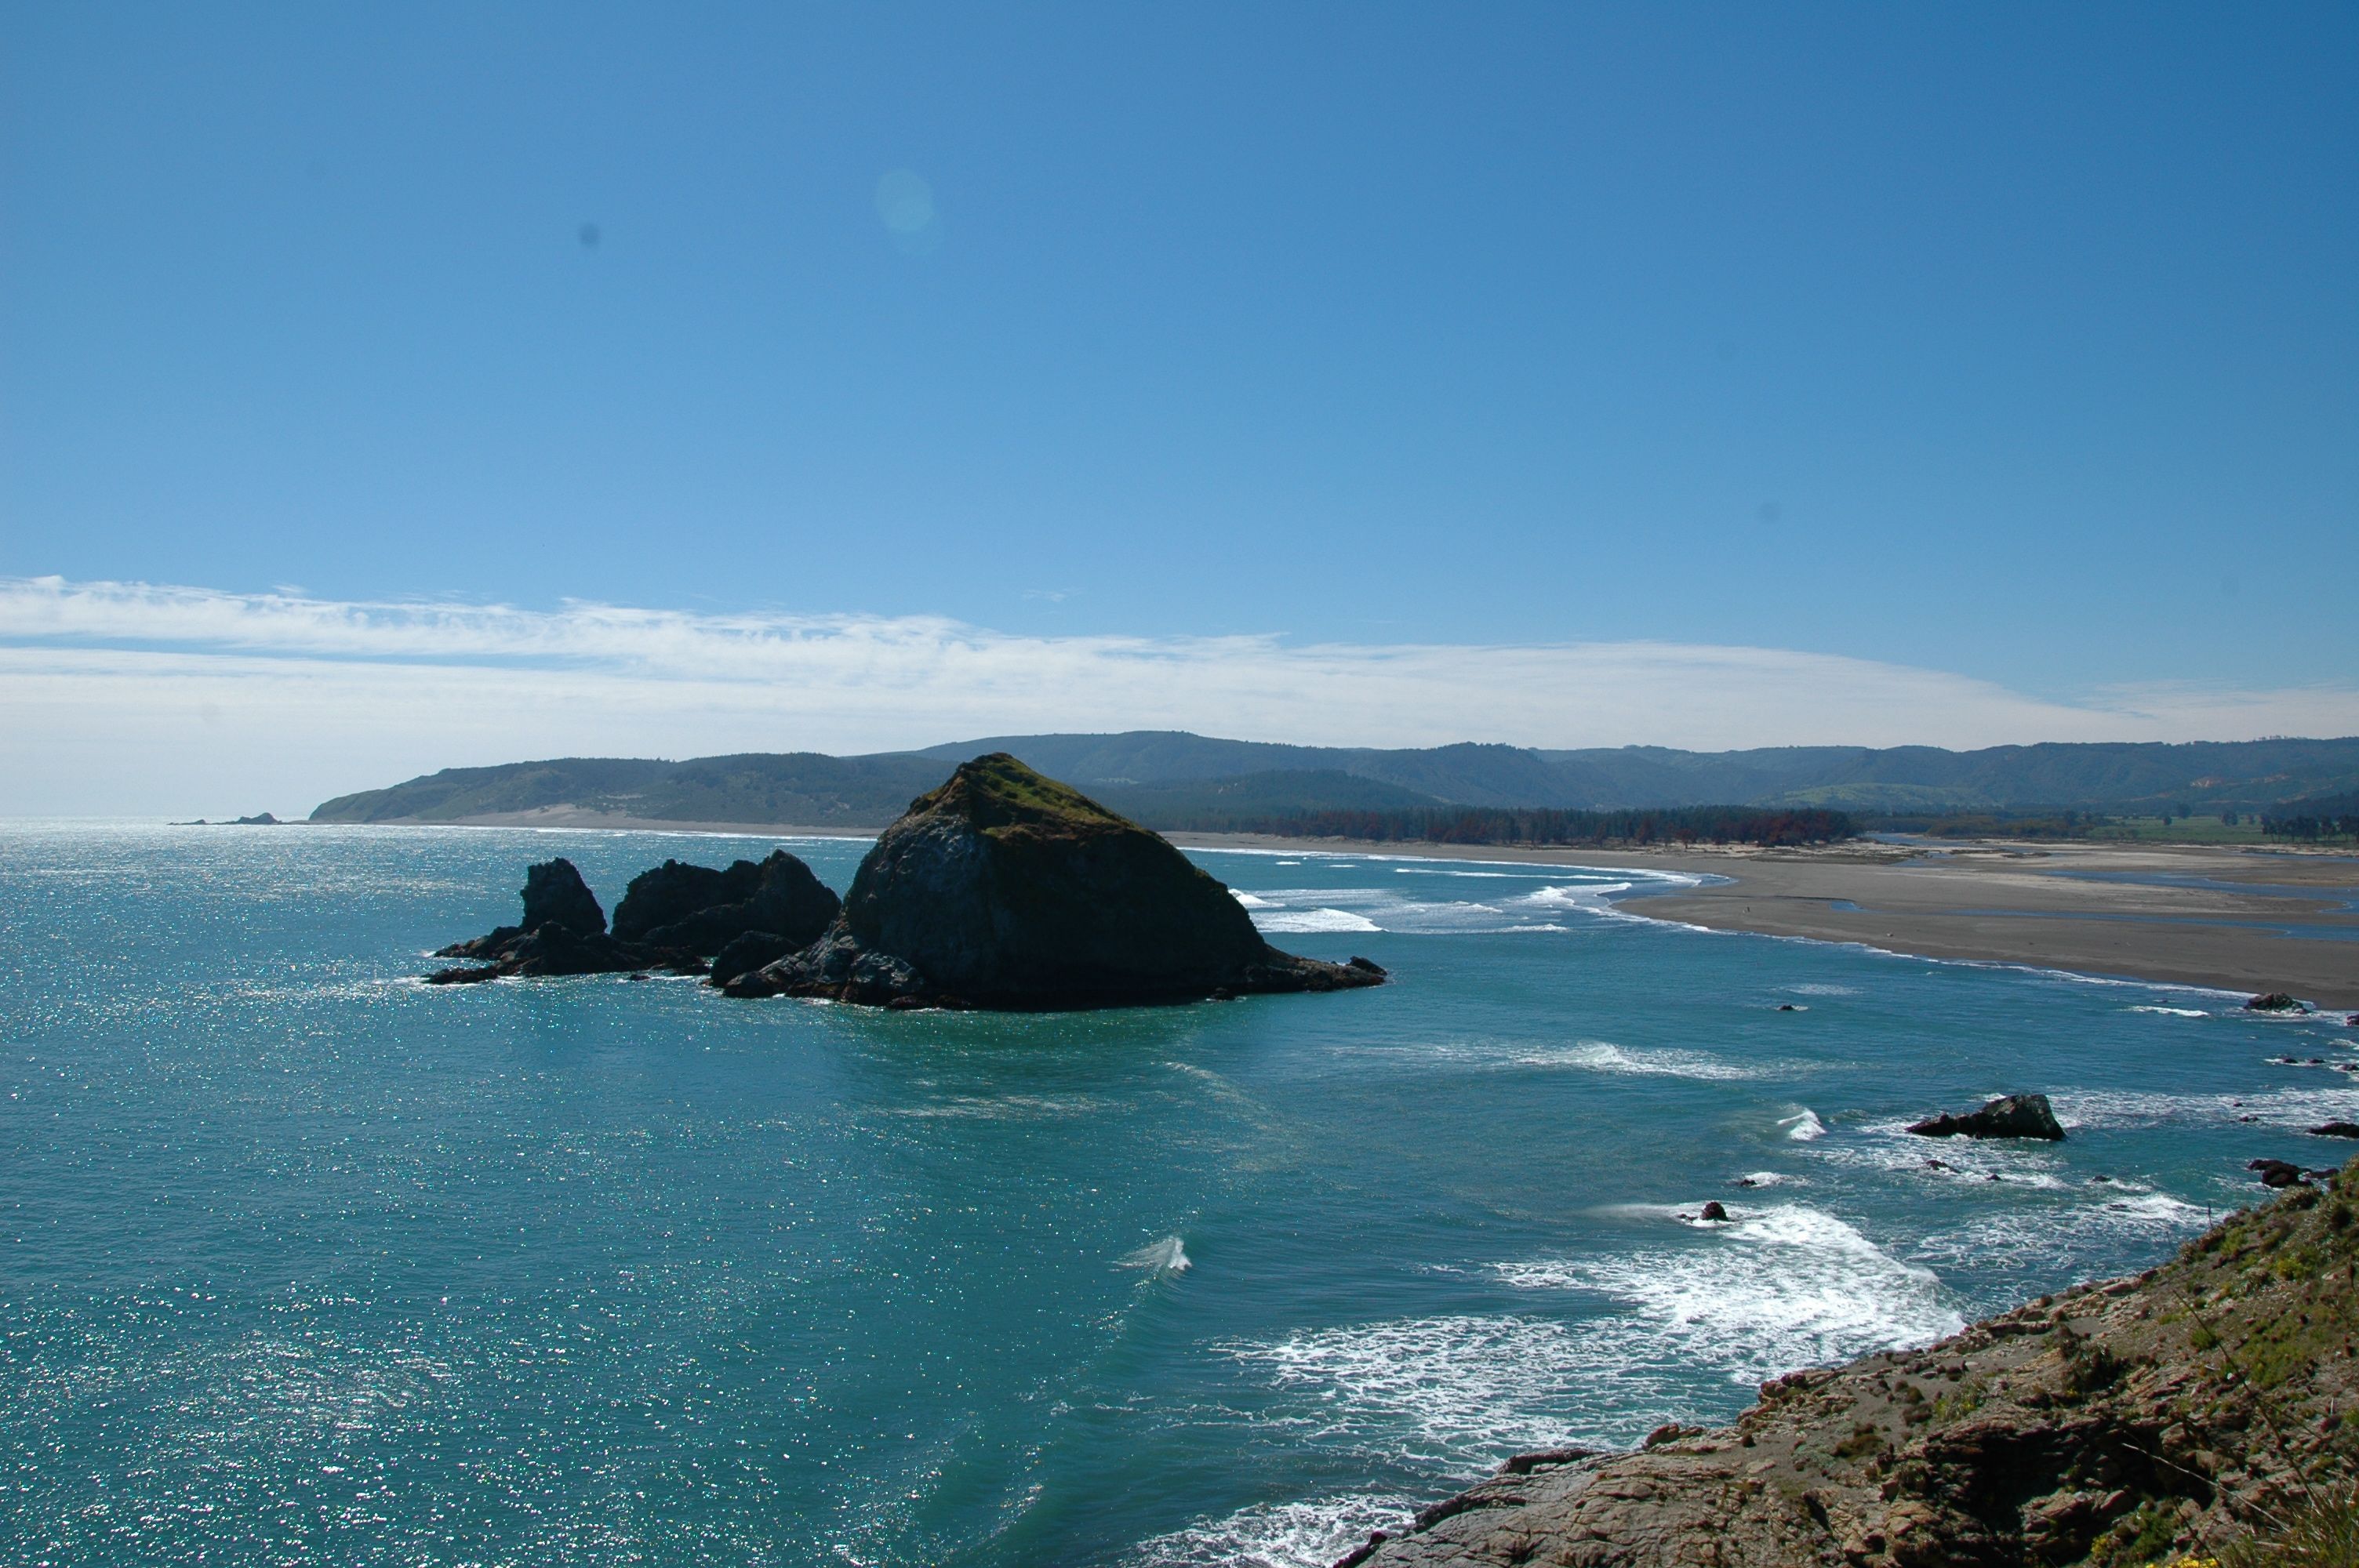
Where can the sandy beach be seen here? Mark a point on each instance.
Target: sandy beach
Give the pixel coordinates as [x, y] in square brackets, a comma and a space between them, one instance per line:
[2249, 920]
[2245, 920]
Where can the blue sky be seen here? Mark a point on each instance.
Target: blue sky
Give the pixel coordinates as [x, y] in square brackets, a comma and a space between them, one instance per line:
[2011, 343]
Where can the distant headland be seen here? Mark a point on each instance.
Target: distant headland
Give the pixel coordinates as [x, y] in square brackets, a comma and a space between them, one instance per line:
[1172, 781]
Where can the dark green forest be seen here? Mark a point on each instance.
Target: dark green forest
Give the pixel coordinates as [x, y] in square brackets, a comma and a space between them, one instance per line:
[1501, 824]
[2327, 817]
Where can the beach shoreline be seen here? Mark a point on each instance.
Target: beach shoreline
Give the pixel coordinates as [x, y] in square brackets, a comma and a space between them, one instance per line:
[2231, 919]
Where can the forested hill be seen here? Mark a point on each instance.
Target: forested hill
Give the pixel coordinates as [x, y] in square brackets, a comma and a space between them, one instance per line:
[1168, 777]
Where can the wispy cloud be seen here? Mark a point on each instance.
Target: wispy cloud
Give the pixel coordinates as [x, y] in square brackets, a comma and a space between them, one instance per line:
[125, 696]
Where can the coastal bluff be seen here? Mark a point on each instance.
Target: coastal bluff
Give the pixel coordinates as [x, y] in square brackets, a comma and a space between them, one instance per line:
[1005, 889]
[2134, 1420]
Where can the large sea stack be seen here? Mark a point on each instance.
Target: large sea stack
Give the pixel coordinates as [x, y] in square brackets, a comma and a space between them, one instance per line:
[1005, 889]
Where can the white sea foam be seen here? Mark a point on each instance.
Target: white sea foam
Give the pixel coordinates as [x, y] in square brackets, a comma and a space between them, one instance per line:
[1764, 1179]
[1605, 1056]
[2174, 1011]
[1776, 1289]
[1454, 1391]
[1158, 1257]
[1249, 900]
[1002, 1107]
[2273, 1108]
[1306, 920]
[2049, 1233]
[1821, 988]
[1310, 909]
[1889, 1146]
[1584, 1055]
[1312, 1533]
[1805, 1127]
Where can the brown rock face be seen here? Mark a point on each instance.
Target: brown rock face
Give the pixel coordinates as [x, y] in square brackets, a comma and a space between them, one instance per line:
[2135, 1421]
[1004, 889]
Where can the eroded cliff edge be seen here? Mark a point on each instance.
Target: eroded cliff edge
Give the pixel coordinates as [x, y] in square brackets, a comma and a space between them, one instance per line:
[2127, 1422]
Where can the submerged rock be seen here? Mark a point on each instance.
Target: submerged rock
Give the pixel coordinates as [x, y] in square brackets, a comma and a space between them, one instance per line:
[1004, 889]
[703, 910]
[2011, 1116]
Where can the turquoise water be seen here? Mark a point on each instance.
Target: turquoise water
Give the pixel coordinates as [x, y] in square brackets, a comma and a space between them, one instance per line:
[303, 1262]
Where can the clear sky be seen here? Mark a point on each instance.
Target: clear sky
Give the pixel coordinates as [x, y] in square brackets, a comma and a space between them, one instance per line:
[2017, 345]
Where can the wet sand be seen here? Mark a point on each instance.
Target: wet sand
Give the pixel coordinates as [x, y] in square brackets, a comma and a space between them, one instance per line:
[2277, 919]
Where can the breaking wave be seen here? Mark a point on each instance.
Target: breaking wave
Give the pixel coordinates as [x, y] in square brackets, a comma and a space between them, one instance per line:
[1774, 1290]
[1158, 1257]
[1309, 1534]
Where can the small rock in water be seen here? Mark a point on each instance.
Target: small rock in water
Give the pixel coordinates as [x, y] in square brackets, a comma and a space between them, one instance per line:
[2277, 1172]
[1788, 1007]
[1715, 1211]
[2275, 1001]
[2335, 1129]
[2011, 1116]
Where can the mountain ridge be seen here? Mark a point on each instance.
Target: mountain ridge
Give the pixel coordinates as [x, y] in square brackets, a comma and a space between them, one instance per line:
[1172, 770]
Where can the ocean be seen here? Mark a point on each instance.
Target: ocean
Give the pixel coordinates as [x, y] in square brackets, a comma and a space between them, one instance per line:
[304, 1263]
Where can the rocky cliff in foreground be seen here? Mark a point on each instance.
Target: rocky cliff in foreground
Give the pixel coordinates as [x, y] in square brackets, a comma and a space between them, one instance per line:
[1002, 888]
[2130, 1421]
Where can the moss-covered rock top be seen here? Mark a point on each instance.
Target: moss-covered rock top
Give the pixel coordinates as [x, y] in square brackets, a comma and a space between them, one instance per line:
[997, 791]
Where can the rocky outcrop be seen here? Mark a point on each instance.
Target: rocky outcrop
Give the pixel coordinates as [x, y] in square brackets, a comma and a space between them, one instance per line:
[2010, 1115]
[555, 894]
[703, 910]
[1002, 888]
[2276, 1001]
[748, 953]
[670, 918]
[2130, 1422]
[563, 933]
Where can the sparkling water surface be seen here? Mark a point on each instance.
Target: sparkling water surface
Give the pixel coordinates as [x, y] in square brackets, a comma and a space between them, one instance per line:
[303, 1262]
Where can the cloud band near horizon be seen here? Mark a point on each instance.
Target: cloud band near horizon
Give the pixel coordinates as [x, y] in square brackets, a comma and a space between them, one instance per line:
[128, 698]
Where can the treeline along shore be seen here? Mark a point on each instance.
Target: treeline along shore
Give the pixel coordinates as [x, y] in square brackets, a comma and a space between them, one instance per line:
[1768, 827]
